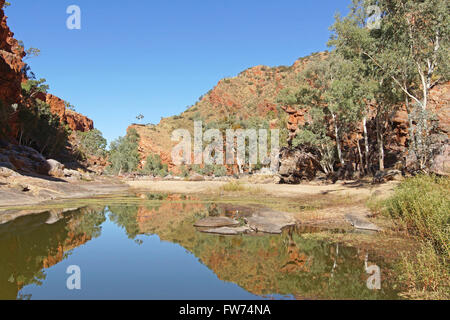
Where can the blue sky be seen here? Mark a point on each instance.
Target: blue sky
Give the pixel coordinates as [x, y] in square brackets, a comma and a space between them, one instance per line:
[157, 57]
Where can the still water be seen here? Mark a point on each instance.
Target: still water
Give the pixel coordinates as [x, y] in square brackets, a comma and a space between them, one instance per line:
[150, 250]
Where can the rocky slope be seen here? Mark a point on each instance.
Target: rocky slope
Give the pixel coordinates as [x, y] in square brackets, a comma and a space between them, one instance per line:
[12, 75]
[253, 95]
[250, 95]
[11, 64]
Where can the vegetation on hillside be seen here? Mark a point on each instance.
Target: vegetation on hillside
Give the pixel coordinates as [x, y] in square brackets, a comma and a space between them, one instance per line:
[368, 75]
[38, 127]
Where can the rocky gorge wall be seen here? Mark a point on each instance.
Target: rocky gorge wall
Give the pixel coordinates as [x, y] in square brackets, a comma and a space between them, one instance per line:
[12, 76]
[11, 64]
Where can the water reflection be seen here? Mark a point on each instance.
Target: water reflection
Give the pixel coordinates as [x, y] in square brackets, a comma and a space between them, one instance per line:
[264, 265]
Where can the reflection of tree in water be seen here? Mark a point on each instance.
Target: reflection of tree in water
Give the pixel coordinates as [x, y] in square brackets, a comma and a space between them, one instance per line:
[125, 217]
[271, 264]
[29, 244]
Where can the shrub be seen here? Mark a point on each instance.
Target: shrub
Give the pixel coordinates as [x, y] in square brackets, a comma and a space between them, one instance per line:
[422, 205]
[210, 169]
[233, 186]
[426, 274]
[220, 171]
[153, 165]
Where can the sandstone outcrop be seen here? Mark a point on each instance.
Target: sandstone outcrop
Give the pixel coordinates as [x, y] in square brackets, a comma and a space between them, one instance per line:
[75, 120]
[11, 64]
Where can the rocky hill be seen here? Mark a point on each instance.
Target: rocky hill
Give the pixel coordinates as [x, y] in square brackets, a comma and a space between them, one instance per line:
[249, 97]
[252, 96]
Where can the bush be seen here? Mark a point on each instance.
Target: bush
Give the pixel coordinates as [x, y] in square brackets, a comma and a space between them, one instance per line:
[210, 169]
[153, 165]
[233, 186]
[422, 205]
[426, 274]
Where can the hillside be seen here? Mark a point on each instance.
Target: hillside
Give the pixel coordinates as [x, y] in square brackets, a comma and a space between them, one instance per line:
[248, 98]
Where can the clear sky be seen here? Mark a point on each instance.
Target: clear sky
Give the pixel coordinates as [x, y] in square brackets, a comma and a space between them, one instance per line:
[157, 57]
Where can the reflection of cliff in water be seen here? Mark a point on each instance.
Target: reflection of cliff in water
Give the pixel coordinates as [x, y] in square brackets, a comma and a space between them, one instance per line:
[287, 264]
[267, 264]
[31, 243]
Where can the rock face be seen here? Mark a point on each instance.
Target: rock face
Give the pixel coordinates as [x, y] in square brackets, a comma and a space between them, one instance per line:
[12, 74]
[22, 158]
[11, 64]
[75, 121]
[441, 162]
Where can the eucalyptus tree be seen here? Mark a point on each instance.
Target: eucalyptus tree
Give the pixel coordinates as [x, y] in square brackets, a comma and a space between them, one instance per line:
[409, 51]
[327, 90]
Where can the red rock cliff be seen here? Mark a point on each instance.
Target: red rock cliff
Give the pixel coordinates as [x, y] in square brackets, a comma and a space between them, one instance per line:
[11, 78]
[11, 64]
[76, 121]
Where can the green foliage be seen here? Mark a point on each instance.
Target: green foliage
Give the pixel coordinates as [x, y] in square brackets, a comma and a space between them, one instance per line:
[209, 170]
[92, 142]
[402, 60]
[422, 205]
[126, 218]
[154, 166]
[41, 129]
[31, 88]
[124, 155]
[184, 171]
[426, 274]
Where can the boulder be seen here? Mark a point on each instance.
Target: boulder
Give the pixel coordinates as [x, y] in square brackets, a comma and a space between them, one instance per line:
[72, 174]
[387, 175]
[360, 222]
[228, 231]
[7, 172]
[56, 169]
[269, 221]
[216, 222]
